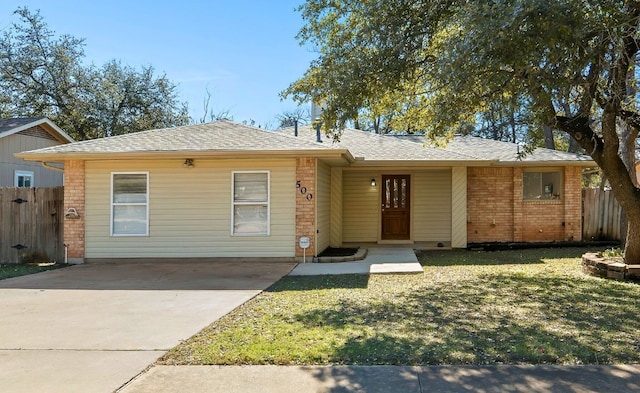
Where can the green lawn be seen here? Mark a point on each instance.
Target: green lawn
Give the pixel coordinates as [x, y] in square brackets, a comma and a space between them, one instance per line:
[15, 269]
[507, 307]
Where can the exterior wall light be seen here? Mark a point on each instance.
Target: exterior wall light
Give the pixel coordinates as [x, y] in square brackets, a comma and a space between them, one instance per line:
[373, 182]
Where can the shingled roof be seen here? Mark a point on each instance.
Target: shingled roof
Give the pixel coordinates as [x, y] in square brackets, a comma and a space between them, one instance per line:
[504, 152]
[17, 124]
[219, 136]
[373, 147]
[230, 138]
[10, 124]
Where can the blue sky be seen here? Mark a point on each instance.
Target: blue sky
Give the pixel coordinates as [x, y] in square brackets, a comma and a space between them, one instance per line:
[244, 52]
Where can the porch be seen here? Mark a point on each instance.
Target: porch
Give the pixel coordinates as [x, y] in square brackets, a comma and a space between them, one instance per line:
[379, 260]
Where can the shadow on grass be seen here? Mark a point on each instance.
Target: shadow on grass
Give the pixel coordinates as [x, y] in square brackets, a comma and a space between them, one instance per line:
[307, 283]
[496, 319]
[461, 257]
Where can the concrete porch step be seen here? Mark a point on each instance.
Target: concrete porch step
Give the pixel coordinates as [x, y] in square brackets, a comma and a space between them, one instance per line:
[379, 260]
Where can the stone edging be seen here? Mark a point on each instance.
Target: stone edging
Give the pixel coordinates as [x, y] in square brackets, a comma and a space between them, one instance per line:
[595, 265]
[359, 255]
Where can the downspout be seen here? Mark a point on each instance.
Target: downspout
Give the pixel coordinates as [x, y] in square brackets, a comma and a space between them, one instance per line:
[55, 168]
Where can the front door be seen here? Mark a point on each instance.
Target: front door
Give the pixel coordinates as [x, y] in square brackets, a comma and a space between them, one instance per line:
[395, 207]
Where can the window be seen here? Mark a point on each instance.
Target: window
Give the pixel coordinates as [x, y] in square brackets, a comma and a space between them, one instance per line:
[23, 179]
[250, 202]
[129, 204]
[541, 185]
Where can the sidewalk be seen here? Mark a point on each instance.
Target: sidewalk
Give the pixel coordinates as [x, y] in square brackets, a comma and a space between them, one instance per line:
[386, 379]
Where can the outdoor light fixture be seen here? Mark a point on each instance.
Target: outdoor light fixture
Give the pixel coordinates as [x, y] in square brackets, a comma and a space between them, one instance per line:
[188, 163]
[373, 182]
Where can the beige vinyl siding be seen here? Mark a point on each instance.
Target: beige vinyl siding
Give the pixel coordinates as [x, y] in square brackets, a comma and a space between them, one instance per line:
[336, 207]
[431, 206]
[459, 207]
[15, 143]
[360, 212]
[190, 210]
[323, 206]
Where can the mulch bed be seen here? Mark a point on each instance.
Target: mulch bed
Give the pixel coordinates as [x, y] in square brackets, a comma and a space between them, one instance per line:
[338, 252]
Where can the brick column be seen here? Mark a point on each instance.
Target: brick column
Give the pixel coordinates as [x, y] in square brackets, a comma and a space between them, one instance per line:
[518, 219]
[572, 203]
[74, 199]
[306, 204]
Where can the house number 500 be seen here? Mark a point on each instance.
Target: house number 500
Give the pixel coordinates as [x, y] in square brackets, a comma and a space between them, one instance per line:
[303, 190]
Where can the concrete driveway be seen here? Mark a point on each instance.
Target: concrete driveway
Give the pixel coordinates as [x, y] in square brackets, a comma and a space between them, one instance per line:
[93, 327]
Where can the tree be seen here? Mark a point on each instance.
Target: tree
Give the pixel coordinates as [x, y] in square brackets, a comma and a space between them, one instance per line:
[43, 75]
[210, 114]
[572, 65]
[505, 121]
[300, 115]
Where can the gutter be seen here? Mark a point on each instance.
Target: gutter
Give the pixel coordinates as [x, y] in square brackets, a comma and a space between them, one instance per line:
[52, 167]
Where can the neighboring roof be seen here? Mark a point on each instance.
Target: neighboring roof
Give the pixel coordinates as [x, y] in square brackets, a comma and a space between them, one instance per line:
[195, 140]
[14, 125]
[366, 146]
[504, 152]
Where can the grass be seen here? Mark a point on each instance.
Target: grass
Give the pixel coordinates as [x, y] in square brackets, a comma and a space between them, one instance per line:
[19, 269]
[506, 307]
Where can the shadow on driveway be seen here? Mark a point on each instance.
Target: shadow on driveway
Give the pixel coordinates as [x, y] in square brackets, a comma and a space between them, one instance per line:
[157, 276]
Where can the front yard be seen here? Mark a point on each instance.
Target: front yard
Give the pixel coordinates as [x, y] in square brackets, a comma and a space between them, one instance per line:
[509, 307]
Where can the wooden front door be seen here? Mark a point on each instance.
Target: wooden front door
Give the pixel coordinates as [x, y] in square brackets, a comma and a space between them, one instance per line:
[395, 207]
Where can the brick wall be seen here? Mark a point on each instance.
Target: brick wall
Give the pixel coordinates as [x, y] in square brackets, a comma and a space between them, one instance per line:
[74, 177]
[497, 212]
[489, 205]
[573, 203]
[542, 221]
[305, 205]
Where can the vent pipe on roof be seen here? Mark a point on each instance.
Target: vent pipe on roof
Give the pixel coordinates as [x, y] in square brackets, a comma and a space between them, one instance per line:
[295, 127]
[318, 125]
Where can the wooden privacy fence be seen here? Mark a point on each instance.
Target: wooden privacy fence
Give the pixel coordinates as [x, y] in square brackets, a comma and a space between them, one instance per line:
[602, 216]
[31, 222]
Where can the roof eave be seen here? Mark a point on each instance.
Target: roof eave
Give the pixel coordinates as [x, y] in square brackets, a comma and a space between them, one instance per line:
[581, 163]
[152, 155]
[421, 163]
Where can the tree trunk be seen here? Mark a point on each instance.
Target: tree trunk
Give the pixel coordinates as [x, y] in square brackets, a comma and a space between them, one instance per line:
[632, 245]
[608, 159]
[628, 152]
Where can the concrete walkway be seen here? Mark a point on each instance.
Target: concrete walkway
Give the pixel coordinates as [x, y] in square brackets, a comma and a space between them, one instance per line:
[378, 261]
[386, 379]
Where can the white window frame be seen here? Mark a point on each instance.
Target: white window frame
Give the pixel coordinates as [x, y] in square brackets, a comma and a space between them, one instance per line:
[19, 173]
[146, 232]
[266, 203]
